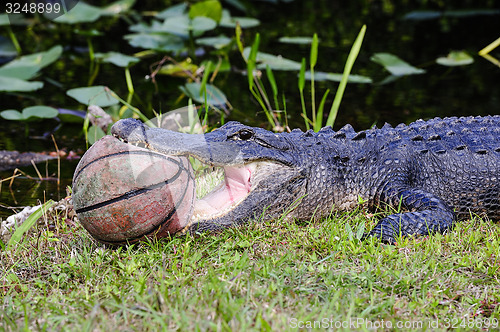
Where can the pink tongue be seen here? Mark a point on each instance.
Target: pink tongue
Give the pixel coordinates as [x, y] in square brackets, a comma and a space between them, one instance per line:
[237, 182]
[236, 186]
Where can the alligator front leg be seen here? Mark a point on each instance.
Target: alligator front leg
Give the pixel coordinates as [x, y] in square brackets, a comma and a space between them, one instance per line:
[428, 214]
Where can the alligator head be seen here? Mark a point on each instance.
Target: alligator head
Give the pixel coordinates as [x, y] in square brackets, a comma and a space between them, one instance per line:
[262, 173]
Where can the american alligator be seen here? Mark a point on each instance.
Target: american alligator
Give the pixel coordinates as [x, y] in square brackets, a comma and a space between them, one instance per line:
[437, 171]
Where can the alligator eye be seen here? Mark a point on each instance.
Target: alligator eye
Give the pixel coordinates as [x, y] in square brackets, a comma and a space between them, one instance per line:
[245, 134]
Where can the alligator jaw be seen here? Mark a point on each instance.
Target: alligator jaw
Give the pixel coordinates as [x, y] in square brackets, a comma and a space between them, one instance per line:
[252, 183]
[237, 184]
[240, 180]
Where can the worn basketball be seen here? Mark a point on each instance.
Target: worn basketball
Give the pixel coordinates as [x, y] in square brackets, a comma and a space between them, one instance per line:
[123, 193]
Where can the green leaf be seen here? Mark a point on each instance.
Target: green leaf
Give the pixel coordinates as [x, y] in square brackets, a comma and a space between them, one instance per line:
[7, 48]
[314, 51]
[40, 112]
[208, 8]
[4, 20]
[216, 42]
[118, 59]
[118, 7]
[222, 65]
[27, 224]
[15, 84]
[19, 72]
[11, 115]
[30, 112]
[25, 67]
[336, 77]
[182, 25]
[81, 13]
[173, 11]
[206, 73]
[158, 41]
[361, 231]
[275, 62]
[319, 116]
[251, 56]
[94, 134]
[395, 65]
[214, 95]
[302, 75]
[202, 24]
[455, 58]
[227, 21]
[296, 40]
[95, 95]
[272, 81]
[12, 19]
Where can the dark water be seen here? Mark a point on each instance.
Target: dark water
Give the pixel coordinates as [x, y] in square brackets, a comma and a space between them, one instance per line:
[442, 91]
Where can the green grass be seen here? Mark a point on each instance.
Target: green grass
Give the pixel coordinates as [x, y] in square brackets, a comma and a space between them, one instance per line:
[272, 275]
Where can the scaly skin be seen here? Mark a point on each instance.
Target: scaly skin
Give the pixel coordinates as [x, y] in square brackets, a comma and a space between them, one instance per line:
[438, 171]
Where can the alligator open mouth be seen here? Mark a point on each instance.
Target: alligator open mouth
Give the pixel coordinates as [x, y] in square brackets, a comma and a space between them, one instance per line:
[231, 190]
[236, 185]
[253, 170]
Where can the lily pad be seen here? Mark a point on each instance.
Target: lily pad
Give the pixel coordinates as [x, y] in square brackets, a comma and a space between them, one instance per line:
[157, 41]
[12, 19]
[173, 11]
[215, 42]
[30, 112]
[395, 65]
[81, 13]
[118, 59]
[4, 19]
[455, 58]
[228, 21]
[11, 115]
[275, 62]
[7, 49]
[25, 67]
[183, 25]
[118, 7]
[40, 112]
[20, 72]
[16, 84]
[296, 40]
[95, 95]
[214, 95]
[337, 77]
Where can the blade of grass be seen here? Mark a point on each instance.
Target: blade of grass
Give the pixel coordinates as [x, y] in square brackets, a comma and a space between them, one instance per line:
[27, 224]
[238, 40]
[128, 79]
[313, 60]
[206, 74]
[319, 118]
[353, 54]
[274, 87]
[302, 83]
[251, 61]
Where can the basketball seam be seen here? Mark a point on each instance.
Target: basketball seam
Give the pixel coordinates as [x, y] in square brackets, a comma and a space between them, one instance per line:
[148, 153]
